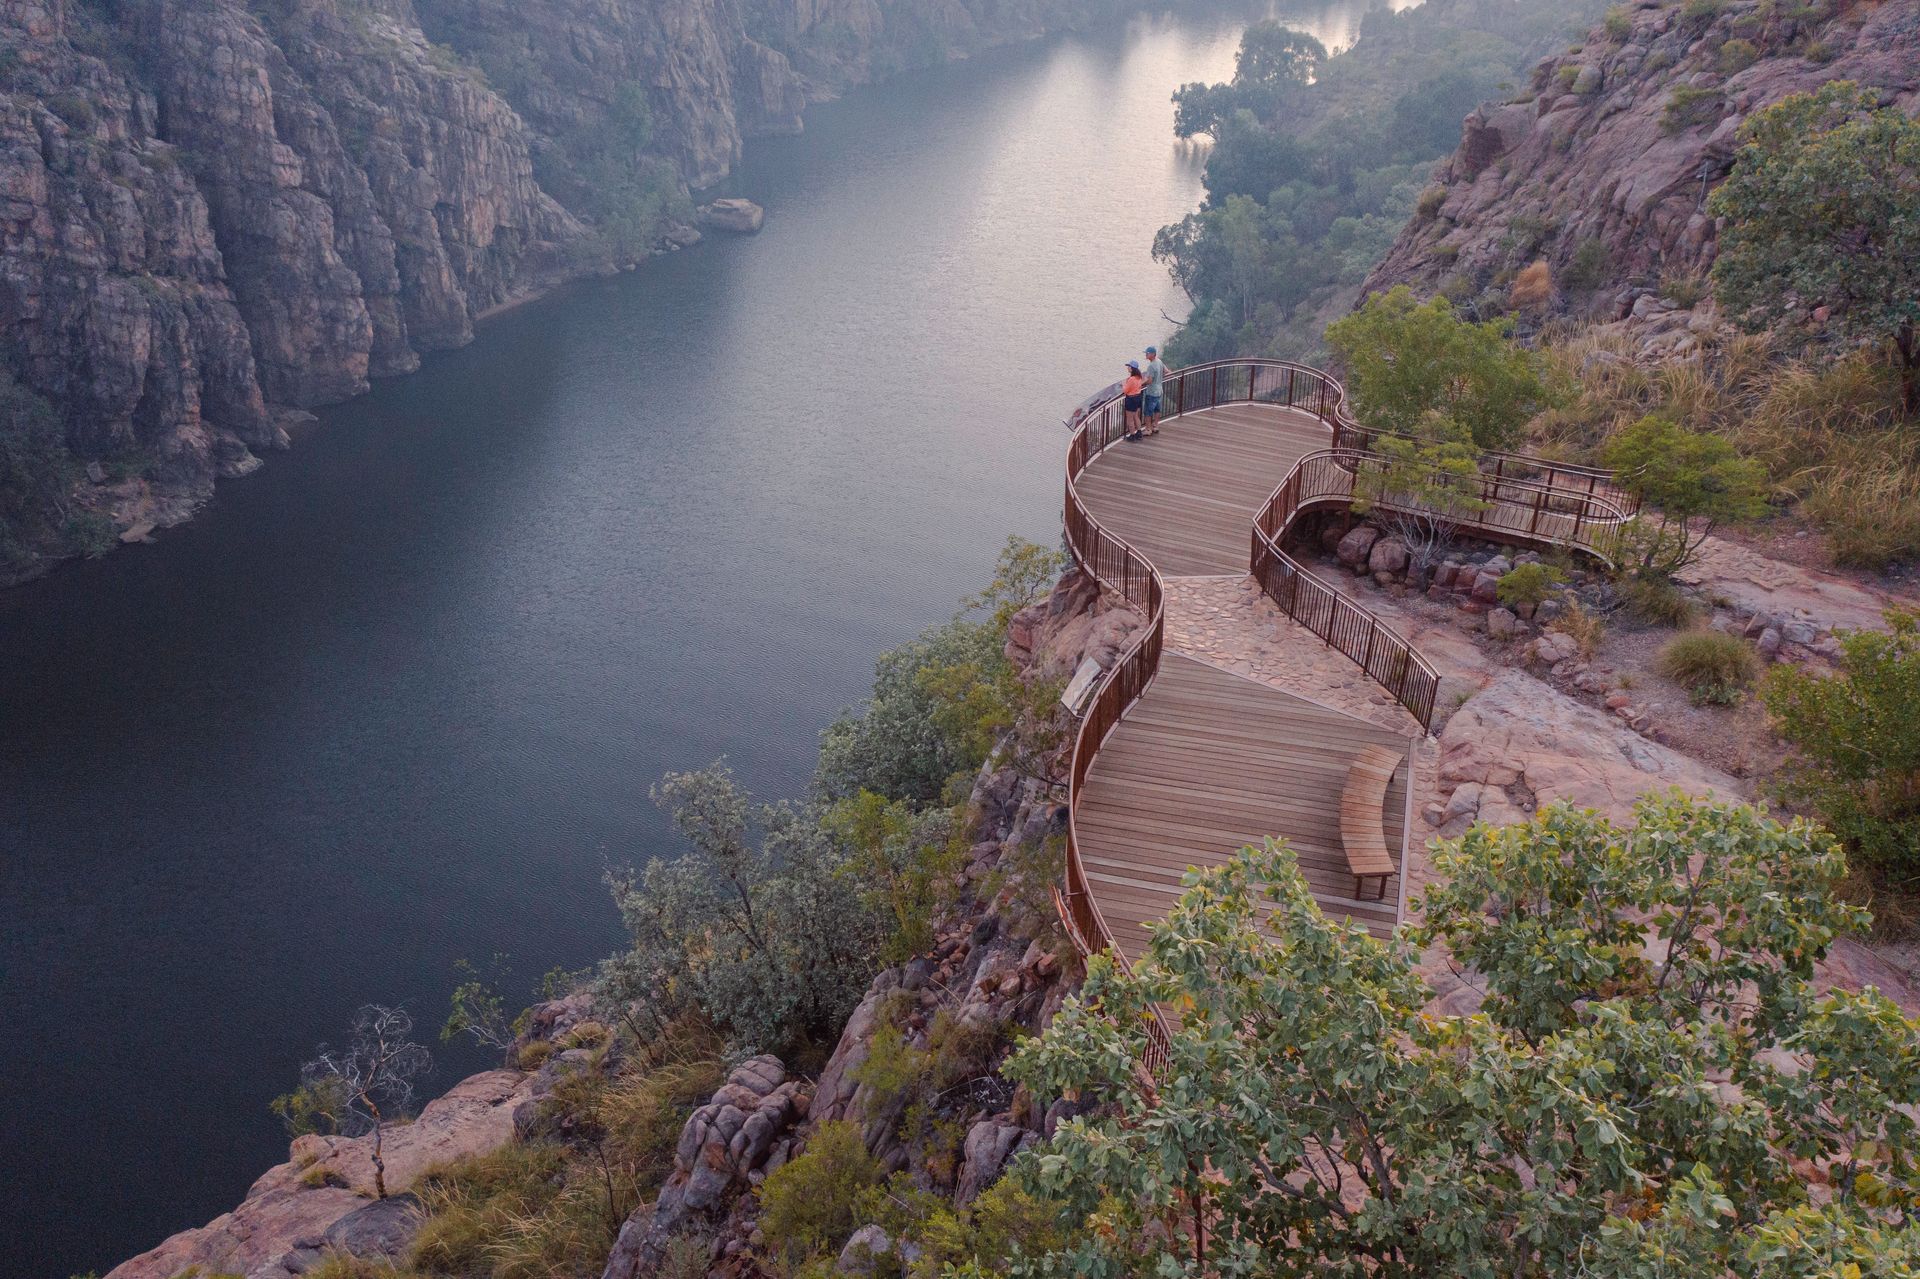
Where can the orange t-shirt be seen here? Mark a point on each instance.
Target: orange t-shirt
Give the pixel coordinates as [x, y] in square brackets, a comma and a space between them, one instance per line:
[1133, 385]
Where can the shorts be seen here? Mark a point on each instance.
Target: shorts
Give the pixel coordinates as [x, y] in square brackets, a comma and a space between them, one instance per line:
[1131, 404]
[1151, 405]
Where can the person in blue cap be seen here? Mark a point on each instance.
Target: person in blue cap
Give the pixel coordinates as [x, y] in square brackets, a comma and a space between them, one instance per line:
[1156, 375]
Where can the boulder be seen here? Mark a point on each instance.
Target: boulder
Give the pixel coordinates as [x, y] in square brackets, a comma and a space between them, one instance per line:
[733, 214]
[1388, 555]
[990, 1143]
[1502, 623]
[1357, 545]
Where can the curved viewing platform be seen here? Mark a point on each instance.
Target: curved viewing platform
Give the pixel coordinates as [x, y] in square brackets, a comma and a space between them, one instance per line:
[1178, 762]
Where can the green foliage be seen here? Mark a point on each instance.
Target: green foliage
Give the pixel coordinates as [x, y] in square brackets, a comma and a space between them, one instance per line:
[1693, 481]
[1737, 55]
[477, 1008]
[1715, 669]
[1421, 486]
[1691, 107]
[1619, 22]
[1273, 61]
[983, 1238]
[1333, 169]
[316, 1106]
[1589, 266]
[1528, 584]
[346, 1266]
[1315, 1116]
[893, 1064]
[807, 1205]
[901, 862]
[940, 703]
[1856, 739]
[1818, 212]
[758, 926]
[1656, 598]
[1407, 359]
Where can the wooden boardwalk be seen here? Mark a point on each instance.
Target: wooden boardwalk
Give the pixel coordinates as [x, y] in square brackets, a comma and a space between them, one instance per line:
[1208, 761]
[1186, 498]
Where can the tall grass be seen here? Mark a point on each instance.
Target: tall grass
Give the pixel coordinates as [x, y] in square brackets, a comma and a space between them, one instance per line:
[1829, 430]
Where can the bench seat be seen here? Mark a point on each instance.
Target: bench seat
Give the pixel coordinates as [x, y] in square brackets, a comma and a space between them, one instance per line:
[1362, 820]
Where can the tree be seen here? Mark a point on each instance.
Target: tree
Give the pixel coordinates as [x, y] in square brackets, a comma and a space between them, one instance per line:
[1856, 739]
[1819, 211]
[368, 1083]
[1421, 487]
[476, 1007]
[1651, 1067]
[1273, 61]
[756, 927]
[1406, 359]
[1689, 482]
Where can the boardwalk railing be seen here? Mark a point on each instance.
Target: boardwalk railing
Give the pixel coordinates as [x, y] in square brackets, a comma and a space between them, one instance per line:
[1518, 497]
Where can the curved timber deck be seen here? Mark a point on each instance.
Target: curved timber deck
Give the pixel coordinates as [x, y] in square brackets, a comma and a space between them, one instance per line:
[1208, 761]
[1178, 762]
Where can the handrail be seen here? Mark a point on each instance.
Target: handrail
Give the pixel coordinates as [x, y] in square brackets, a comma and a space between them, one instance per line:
[1582, 512]
[1328, 401]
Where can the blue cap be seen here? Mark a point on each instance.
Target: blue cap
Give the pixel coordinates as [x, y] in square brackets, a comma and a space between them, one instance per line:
[1153, 350]
[1134, 365]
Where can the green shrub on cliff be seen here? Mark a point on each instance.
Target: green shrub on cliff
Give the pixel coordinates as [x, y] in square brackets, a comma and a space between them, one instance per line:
[757, 926]
[1856, 739]
[940, 702]
[807, 1205]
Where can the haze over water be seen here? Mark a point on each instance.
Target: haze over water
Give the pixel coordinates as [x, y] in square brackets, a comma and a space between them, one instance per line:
[397, 699]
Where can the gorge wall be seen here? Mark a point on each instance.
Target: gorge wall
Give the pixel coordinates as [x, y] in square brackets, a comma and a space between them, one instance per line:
[217, 213]
[1602, 165]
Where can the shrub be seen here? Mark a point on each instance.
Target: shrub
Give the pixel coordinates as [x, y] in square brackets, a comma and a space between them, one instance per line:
[1856, 739]
[1619, 21]
[893, 1064]
[1683, 290]
[1655, 598]
[1689, 481]
[1689, 106]
[1586, 628]
[1698, 10]
[1406, 360]
[807, 1206]
[1528, 584]
[1737, 55]
[1532, 288]
[1587, 269]
[1818, 52]
[1714, 668]
[343, 1265]
[1430, 201]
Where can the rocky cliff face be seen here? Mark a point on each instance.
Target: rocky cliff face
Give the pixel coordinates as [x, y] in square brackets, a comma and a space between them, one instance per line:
[1603, 166]
[213, 212]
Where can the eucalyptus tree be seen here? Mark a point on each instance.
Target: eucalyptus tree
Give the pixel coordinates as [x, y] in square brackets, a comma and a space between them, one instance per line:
[370, 1079]
[1653, 1084]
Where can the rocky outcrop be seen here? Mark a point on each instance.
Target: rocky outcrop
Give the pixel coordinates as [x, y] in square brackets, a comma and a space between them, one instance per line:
[1603, 166]
[215, 213]
[322, 1197]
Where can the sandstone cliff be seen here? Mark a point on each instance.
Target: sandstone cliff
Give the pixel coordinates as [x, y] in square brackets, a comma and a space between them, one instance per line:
[215, 212]
[1603, 165]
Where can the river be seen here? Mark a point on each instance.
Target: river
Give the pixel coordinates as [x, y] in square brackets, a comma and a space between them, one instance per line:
[397, 699]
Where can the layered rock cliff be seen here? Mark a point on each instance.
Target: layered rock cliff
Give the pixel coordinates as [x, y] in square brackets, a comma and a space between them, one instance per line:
[217, 212]
[1603, 165]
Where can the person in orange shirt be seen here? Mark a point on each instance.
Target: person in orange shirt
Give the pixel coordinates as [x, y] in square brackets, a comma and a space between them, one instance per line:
[1132, 389]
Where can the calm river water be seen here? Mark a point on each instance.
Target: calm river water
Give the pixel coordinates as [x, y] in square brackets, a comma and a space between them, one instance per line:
[397, 699]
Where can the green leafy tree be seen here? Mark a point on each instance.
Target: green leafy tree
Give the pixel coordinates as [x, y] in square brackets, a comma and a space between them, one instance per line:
[941, 702]
[1406, 359]
[1819, 211]
[1273, 61]
[1652, 1071]
[900, 861]
[757, 926]
[1856, 739]
[1689, 482]
[1421, 487]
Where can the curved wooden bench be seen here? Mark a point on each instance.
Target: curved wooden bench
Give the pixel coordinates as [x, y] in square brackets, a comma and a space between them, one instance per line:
[1362, 823]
